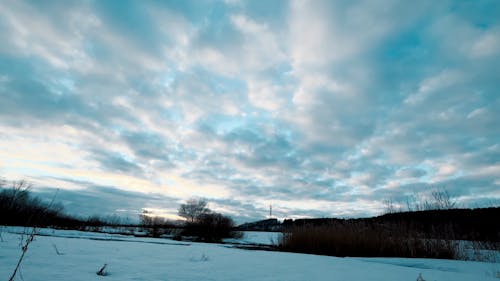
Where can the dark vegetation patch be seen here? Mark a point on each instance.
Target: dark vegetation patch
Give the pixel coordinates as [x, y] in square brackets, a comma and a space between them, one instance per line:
[480, 224]
[203, 224]
[422, 234]
[19, 207]
[363, 239]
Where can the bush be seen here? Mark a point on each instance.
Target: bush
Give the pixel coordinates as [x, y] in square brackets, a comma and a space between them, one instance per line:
[211, 227]
[155, 225]
[205, 225]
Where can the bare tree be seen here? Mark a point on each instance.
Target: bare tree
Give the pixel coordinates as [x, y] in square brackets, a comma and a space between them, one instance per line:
[146, 218]
[416, 202]
[193, 209]
[443, 200]
[439, 199]
[20, 190]
[389, 206]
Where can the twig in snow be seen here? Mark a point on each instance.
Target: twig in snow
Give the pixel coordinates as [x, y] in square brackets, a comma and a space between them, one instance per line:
[24, 249]
[57, 250]
[102, 271]
[30, 235]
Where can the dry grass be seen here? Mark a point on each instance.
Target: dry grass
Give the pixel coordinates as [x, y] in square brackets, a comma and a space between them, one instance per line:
[366, 240]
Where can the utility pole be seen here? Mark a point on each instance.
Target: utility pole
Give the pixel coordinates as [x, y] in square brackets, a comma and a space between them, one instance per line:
[270, 210]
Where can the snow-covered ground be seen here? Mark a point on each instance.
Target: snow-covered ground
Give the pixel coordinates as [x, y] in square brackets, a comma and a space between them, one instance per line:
[257, 237]
[73, 255]
[249, 237]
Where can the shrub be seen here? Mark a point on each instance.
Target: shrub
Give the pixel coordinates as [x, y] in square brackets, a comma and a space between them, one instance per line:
[204, 224]
[210, 227]
[155, 225]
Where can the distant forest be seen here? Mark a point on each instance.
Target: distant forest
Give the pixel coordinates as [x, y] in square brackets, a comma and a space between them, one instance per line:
[20, 207]
[481, 224]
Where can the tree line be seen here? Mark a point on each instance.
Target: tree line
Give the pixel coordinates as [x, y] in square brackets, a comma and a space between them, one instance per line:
[20, 207]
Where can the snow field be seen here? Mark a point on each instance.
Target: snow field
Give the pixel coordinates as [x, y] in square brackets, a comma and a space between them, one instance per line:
[80, 257]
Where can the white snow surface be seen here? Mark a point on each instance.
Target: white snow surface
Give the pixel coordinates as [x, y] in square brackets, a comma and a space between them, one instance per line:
[81, 254]
[257, 237]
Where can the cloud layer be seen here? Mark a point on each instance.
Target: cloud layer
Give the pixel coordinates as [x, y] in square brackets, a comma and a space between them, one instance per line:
[320, 108]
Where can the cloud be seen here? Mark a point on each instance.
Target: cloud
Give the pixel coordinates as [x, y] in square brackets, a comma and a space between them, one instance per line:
[319, 108]
[115, 161]
[104, 200]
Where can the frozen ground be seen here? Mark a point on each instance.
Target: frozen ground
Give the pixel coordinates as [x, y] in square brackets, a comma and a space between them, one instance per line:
[249, 237]
[257, 237]
[128, 258]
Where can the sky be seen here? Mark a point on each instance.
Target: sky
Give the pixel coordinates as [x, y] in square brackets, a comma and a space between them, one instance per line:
[318, 108]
